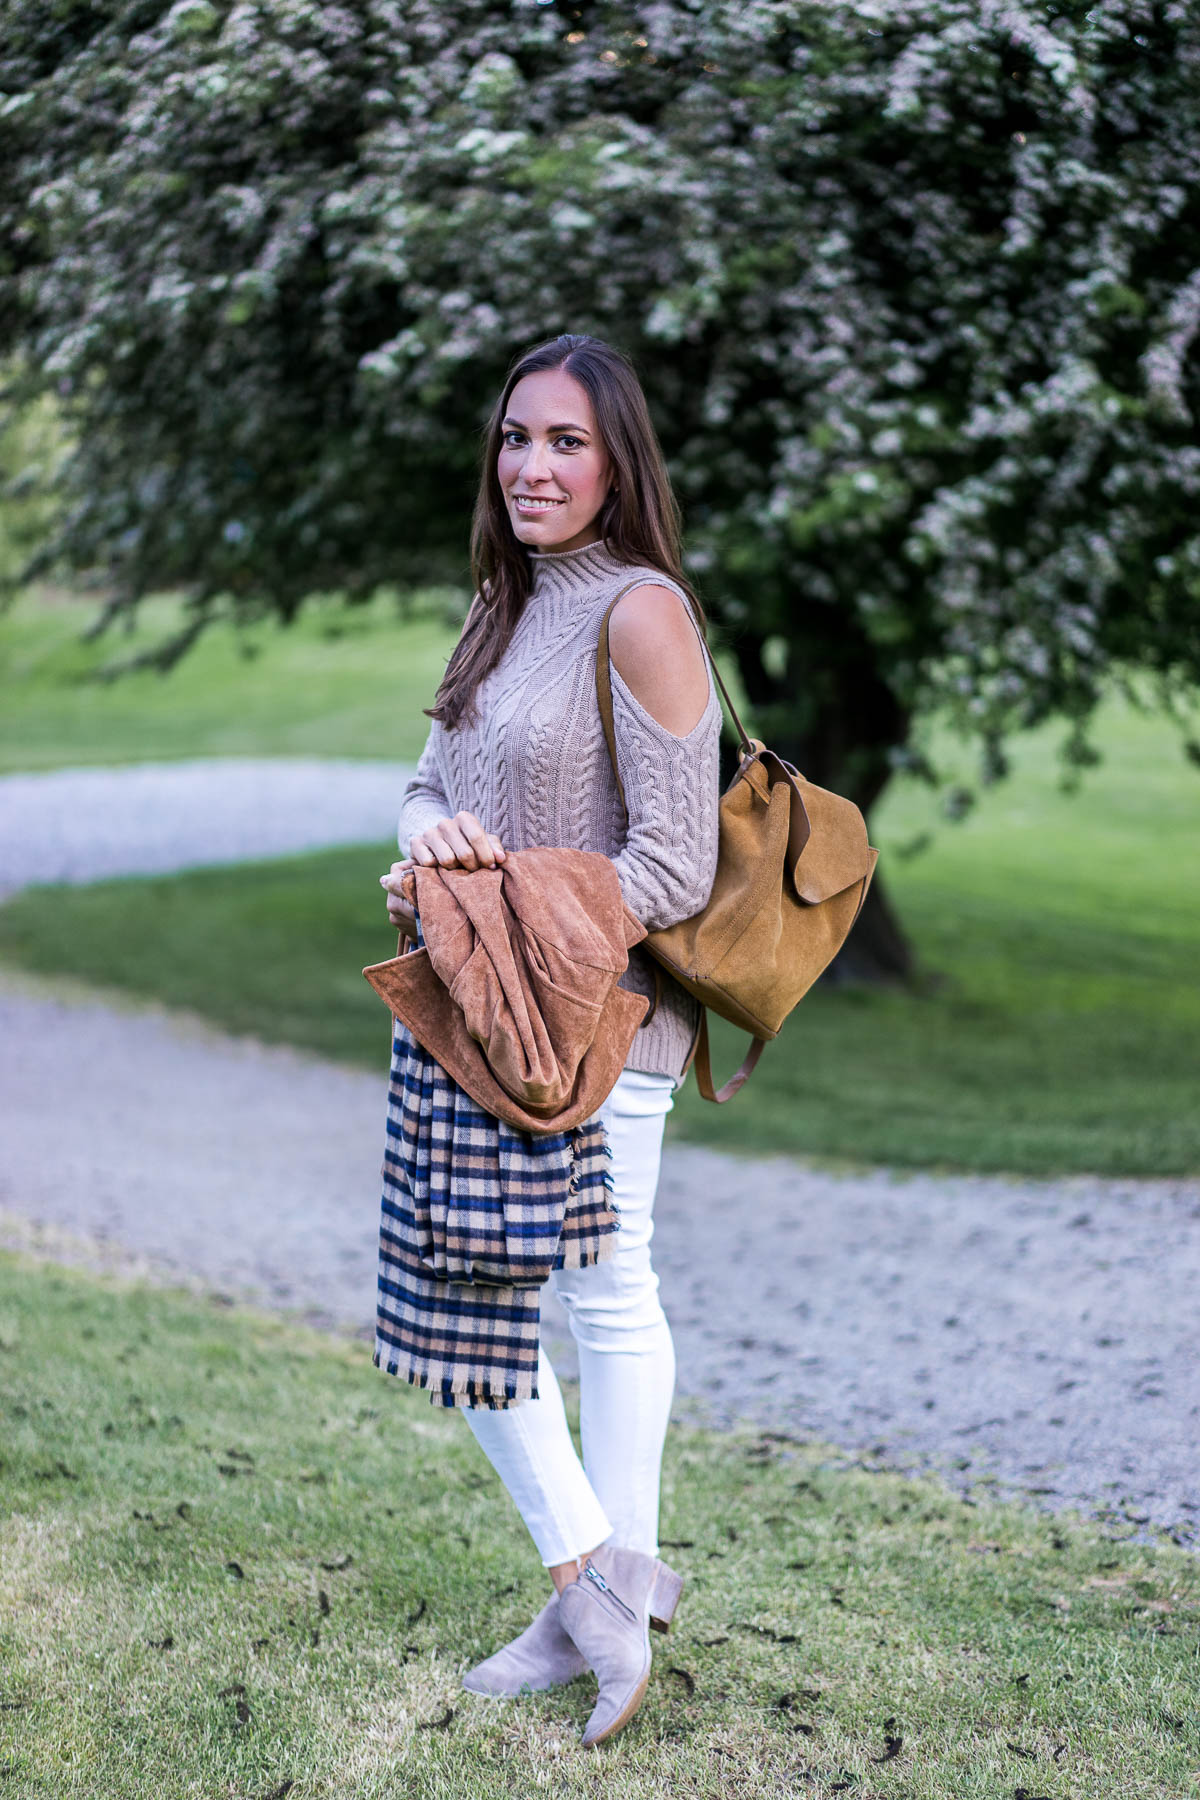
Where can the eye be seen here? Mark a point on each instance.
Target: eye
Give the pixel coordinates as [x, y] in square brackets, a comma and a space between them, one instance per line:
[566, 438]
[510, 434]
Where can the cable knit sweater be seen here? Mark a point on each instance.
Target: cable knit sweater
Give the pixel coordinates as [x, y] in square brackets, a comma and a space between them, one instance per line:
[535, 770]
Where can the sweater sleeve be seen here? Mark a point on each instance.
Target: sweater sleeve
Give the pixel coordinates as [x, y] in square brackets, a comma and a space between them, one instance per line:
[669, 859]
[424, 800]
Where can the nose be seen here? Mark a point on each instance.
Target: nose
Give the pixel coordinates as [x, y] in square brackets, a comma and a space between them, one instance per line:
[535, 466]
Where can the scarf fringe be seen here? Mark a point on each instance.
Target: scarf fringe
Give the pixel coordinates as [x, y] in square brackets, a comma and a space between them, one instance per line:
[456, 1389]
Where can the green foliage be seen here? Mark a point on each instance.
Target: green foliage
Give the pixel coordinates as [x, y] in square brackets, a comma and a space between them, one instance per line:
[31, 447]
[913, 288]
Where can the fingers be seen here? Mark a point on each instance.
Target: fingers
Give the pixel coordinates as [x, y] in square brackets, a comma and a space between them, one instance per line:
[483, 846]
[391, 881]
[457, 843]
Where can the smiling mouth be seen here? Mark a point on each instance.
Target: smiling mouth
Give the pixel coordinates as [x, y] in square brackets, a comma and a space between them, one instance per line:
[527, 503]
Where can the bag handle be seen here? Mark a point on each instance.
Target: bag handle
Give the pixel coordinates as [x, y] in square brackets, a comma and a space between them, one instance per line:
[699, 1056]
[604, 687]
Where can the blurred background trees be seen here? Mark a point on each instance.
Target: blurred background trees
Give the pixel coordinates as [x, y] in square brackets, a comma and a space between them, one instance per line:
[914, 290]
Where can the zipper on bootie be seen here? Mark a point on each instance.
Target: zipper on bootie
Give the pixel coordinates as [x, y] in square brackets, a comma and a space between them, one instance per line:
[593, 1574]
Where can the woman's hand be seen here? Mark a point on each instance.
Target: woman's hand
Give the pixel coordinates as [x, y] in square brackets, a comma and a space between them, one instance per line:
[457, 843]
[399, 911]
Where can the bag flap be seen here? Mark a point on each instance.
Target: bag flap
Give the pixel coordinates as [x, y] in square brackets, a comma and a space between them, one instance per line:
[827, 839]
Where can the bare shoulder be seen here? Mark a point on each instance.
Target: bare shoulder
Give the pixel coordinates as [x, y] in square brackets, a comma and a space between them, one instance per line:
[654, 646]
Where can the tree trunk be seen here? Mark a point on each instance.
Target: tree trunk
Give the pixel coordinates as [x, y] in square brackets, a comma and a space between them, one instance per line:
[877, 950]
[839, 738]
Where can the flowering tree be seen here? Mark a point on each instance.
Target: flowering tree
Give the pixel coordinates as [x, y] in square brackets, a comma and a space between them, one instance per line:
[913, 285]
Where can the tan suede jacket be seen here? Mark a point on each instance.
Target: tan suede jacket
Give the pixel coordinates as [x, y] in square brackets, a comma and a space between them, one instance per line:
[514, 990]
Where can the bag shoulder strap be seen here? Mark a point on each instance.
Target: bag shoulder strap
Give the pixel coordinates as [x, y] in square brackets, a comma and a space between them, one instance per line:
[604, 687]
[699, 1048]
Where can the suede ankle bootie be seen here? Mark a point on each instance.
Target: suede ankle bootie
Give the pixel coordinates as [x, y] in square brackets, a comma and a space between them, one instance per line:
[542, 1657]
[608, 1613]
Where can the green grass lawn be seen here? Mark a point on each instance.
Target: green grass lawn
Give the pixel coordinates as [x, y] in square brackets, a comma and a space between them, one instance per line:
[1062, 1033]
[238, 1560]
[337, 682]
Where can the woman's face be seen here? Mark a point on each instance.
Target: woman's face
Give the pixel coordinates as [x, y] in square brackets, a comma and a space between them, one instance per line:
[554, 470]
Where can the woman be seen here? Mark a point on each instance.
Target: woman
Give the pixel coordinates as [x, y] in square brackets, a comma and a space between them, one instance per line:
[574, 504]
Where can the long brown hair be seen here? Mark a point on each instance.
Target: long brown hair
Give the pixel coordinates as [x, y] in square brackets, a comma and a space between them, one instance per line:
[639, 522]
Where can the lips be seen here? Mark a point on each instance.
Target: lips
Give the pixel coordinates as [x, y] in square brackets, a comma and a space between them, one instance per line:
[533, 504]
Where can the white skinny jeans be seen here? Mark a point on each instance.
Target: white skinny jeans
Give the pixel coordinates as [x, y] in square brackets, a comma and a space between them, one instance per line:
[626, 1368]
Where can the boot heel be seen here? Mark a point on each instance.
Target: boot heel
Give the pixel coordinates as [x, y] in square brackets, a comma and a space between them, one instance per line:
[664, 1596]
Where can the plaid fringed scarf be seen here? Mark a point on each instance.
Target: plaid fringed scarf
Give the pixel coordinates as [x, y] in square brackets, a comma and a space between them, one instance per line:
[475, 1215]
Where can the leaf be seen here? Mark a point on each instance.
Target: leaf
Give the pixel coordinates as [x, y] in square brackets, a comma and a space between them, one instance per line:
[166, 1643]
[235, 1568]
[415, 1618]
[184, 1510]
[243, 1713]
[776, 1637]
[343, 1562]
[323, 1602]
[235, 1687]
[786, 1701]
[436, 1724]
[1020, 1750]
[892, 1746]
[688, 1680]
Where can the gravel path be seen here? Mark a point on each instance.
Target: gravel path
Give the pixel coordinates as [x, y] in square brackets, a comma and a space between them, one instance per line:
[80, 825]
[1043, 1333]
[1020, 1336]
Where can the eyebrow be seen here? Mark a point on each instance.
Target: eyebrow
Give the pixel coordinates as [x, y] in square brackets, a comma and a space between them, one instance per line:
[566, 425]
